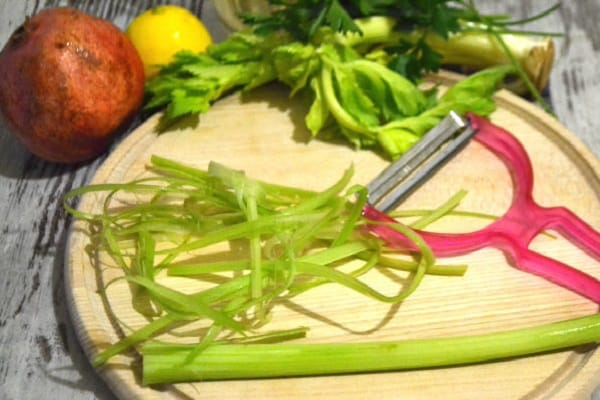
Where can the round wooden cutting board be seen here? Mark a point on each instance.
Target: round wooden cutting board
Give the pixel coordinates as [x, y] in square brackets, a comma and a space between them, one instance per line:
[263, 134]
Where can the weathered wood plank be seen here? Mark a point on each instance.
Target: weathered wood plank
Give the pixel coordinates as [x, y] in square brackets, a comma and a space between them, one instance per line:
[39, 356]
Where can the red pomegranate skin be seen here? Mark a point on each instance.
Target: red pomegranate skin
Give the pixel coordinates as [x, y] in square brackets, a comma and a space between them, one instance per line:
[69, 82]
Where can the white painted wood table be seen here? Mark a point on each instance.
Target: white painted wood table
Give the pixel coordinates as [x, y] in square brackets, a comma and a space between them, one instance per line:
[40, 357]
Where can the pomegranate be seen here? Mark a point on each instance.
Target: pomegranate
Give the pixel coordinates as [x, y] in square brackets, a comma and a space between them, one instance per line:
[69, 83]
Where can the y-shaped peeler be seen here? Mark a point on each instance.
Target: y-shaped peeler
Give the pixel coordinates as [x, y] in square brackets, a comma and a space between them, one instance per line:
[511, 233]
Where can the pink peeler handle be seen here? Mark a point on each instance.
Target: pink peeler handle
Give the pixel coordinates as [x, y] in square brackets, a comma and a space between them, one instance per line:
[512, 232]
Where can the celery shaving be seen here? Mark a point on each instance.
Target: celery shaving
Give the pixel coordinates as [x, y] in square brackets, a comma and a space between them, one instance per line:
[286, 240]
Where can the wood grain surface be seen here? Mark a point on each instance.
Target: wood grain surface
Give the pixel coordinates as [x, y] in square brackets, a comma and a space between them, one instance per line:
[39, 355]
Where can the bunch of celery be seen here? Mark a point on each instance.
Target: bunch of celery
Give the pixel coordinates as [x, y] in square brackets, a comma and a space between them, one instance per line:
[350, 95]
[357, 66]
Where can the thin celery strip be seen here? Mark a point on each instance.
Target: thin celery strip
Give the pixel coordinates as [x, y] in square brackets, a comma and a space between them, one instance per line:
[353, 215]
[440, 211]
[208, 268]
[213, 332]
[225, 290]
[435, 269]
[353, 283]
[335, 253]
[457, 213]
[236, 361]
[325, 256]
[266, 224]
[322, 198]
[172, 167]
[144, 266]
[305, 236]
[330, 256]
[256, 286]
[115, 251]
[301, 287]
[77, 192]
[270, 337]
[141, 335]
[185, 304]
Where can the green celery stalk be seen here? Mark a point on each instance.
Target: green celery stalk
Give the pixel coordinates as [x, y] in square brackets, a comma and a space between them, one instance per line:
[233, 361]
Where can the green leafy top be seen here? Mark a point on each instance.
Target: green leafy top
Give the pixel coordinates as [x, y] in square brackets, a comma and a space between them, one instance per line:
[303, 19]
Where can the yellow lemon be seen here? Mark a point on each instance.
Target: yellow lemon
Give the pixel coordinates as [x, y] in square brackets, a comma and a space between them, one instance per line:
[160, 32]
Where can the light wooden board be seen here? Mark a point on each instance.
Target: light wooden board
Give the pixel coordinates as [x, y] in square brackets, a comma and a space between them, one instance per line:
[263, 134]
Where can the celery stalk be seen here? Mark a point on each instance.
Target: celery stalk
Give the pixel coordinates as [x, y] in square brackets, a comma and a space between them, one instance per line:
[479, 49]
[233, 361]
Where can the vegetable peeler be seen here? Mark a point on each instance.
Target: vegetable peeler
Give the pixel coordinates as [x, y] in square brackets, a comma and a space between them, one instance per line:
[512, 232]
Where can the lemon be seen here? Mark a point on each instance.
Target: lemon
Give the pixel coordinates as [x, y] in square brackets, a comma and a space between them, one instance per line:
[160, 32]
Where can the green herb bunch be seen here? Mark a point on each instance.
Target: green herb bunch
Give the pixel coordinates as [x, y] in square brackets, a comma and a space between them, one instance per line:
[359, 64]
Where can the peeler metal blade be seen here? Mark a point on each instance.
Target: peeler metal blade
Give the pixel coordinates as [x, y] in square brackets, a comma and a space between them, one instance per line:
[415, 166]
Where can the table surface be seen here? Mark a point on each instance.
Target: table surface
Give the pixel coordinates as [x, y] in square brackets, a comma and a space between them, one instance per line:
[39, 353]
